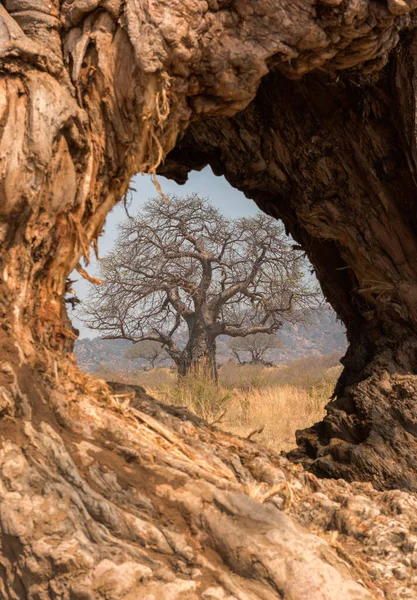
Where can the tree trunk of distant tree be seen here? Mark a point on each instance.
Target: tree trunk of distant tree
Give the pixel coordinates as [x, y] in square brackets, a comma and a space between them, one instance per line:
[203, 357]
[100, 499]
[199, 355]
[237, 356]
[257, 357]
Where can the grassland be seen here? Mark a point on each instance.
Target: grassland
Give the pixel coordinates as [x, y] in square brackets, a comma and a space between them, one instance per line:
[273, 401]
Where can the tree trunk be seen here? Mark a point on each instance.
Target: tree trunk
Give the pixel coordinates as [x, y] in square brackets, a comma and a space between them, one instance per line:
[336, 160]
[199, 355]
[99, 500]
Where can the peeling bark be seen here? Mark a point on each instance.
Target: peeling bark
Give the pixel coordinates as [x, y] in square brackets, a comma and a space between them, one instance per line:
[102, 501]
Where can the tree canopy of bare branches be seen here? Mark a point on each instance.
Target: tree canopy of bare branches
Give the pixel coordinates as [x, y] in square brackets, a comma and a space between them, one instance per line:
[152, 352]
[183, 266]
[256, 345]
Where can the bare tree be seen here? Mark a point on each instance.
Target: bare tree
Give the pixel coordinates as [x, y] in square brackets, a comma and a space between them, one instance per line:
[152, 352]
[256, 345]
[184, 266]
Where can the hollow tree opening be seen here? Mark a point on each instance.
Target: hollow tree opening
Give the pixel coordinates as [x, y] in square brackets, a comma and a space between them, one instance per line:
[93, 92]
[335, 160]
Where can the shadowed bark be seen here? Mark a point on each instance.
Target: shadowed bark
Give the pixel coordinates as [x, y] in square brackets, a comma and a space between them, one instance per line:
[335, 159]
[99, 500]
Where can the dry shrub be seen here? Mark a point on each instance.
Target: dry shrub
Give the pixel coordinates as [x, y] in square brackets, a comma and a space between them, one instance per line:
[278, 411]
[312, 370]
[278, 399]
[199, 394]
[304, 372]
[246, 377]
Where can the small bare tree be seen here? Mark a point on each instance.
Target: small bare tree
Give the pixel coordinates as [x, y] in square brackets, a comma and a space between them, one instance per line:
[183, 266]
[152, 352]
[256, 345]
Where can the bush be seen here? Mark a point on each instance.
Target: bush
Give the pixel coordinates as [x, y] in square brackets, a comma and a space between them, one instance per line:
[281, 399]
[199, 394]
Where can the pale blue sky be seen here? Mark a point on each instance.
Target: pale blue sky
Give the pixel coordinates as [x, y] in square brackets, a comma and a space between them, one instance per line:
[231, 202]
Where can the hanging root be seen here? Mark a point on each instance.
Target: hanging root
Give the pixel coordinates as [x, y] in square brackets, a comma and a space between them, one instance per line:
[86, 276]
[94, 244]
[81, 236]
[159, 132]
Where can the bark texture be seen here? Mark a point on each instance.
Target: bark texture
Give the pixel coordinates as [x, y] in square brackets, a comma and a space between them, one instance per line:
[335, 159]
[199, 354]
[93, 92]
[102, 501]
[105, 494]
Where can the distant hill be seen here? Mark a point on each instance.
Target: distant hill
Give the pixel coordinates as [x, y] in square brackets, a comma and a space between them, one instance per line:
[322, 335]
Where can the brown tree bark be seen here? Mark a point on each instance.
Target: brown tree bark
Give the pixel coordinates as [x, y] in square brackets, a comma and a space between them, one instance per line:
[336, 160]
[199, 355]
[99, 500]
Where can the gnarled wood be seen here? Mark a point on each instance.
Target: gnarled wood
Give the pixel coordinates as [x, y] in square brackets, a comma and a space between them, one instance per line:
[336, 161]
[109, 495]
[102, 501]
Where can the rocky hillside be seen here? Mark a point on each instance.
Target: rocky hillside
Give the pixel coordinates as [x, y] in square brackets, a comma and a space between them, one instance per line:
[321, 335]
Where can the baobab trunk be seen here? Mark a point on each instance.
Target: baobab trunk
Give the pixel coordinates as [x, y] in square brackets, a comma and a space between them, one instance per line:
[199, 355]
[99, 499]
[336, 160]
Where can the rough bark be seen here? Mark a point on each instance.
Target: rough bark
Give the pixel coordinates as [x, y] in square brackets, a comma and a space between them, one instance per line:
[336, 161]
[102, 501]
[94, 92]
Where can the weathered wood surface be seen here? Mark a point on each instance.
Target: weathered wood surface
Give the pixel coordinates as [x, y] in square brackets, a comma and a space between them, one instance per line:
[111, 495]
[336, 160]
[100, 501]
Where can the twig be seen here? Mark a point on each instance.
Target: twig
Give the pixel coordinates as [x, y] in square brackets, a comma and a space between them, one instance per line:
[255, 432]
[219, 419]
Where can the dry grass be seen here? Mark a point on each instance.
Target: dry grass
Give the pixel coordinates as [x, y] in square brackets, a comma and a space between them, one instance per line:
[276, 412]
[156, 380]
[277, 400]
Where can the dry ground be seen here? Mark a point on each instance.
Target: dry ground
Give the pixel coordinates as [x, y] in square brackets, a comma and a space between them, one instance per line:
[272, 401]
